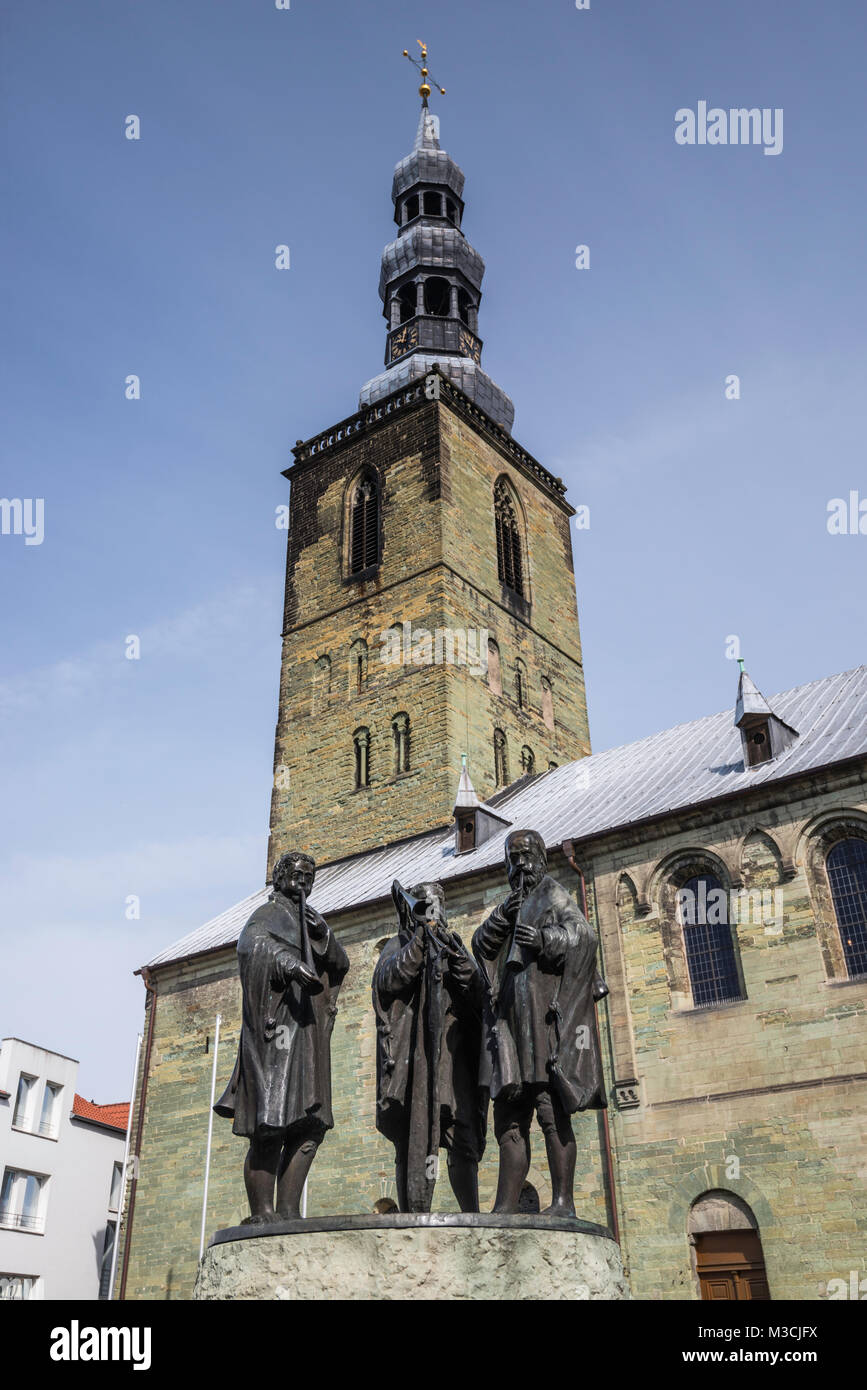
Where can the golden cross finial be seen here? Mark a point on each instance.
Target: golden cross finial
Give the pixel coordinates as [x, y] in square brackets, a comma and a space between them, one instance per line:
[424, 90]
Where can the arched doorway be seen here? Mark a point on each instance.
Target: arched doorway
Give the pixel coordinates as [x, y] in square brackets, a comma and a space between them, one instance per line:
[728, 1261]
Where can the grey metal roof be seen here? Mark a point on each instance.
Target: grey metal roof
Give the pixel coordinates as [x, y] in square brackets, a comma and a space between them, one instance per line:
[670, 771]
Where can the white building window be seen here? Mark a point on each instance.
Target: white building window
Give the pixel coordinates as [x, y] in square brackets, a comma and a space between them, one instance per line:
[114, 1195]
[22, 1201]
[20, 1287]
[24, 1102]
[107, 1257]
[50, 1109]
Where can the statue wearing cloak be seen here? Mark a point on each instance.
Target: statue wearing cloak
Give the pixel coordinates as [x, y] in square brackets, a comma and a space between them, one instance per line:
[427, 996]
[541, 1049]
[279, 1097]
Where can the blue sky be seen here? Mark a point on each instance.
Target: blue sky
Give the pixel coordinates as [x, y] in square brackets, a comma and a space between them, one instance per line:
[156, 257]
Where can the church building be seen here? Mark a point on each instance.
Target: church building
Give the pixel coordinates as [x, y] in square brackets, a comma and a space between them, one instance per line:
[431, 699]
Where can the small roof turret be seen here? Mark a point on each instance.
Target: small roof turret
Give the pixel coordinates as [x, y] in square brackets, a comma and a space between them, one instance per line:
[763, 735]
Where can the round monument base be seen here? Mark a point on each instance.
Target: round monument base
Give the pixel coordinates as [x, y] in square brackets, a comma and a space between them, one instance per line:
[428, 1256]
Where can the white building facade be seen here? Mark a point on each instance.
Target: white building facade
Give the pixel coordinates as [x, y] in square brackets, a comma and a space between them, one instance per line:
[61, 1161]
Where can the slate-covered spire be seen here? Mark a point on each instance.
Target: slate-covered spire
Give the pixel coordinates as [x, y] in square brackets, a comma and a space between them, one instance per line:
[431, 280]
[763, 734]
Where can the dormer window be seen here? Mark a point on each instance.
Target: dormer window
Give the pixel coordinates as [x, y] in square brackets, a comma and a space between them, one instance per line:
[466, 832]
[764, 735]
[757, 743]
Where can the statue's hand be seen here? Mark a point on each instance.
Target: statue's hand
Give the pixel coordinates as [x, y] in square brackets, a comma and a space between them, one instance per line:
[512, 903]
[307, 978]
[528, 936]
[316, 924]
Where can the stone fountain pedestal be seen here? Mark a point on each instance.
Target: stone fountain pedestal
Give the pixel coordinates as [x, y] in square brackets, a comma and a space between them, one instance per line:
[417, 1256]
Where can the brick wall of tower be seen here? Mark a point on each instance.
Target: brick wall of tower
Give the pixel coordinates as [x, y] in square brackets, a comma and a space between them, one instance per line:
[438, 572]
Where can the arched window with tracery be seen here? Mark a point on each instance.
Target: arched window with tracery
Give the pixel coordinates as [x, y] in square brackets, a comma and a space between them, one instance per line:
[361, 743]
[364, 525]
[847, 878]
[509, 559]
[703, 913]
[501, 761]
[400, 734]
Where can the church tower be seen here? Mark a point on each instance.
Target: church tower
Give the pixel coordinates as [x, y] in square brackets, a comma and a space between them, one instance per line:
[430, 596]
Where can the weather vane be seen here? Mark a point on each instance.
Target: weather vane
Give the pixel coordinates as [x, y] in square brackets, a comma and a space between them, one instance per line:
[424, 90]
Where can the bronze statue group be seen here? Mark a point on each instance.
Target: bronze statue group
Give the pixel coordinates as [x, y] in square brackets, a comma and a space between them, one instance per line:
[510, 1022]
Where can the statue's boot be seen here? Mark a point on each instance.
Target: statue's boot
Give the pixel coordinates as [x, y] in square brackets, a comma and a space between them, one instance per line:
[464, 1178]
[297, 1159]
[561, 1163]
[514, 1167]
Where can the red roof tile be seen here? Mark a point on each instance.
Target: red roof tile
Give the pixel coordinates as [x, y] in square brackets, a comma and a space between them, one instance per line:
[116, 1116]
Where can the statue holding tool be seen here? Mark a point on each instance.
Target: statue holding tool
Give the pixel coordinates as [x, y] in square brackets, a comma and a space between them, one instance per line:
[279, 1097]
[541, 1049]
[427, 996]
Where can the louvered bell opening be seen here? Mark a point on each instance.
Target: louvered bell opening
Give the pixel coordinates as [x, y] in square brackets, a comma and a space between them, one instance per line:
[365, 529]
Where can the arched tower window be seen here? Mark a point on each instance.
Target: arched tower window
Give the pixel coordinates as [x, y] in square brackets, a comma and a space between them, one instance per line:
[410, 208]
[465, 308]
[501, 761]
[364, 526]
[547, 703]
[451, 211]
[528, 760]
[509, 560]
[406, 298]
[357, 666]
[433, 204]
[521, 698]
[321, 682]
[361, 742]
[495, 683]
[400, 733]
[847, 878]
[437, 296]
[702, 907]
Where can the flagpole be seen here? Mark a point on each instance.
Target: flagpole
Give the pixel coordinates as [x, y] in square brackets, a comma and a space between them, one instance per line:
[210, 1134]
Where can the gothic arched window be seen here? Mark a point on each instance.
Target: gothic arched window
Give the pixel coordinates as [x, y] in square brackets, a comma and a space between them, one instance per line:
[501, 761]
[847, 877]
[702, 905]
[509, 565]
[400, 732]
[528, 760]
[364, 526]
[361, 741]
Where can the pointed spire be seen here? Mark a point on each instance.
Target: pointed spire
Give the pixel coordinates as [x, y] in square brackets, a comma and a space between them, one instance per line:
[750, 700]
[466, 797]
[427, 137]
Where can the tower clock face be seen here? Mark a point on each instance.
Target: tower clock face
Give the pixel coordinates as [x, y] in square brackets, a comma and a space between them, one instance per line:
[404, 340]
[469, 345]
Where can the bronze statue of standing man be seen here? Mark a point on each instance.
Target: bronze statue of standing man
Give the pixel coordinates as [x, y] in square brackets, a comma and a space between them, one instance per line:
[279, 1097]
[541, 1053]
[427, 996]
